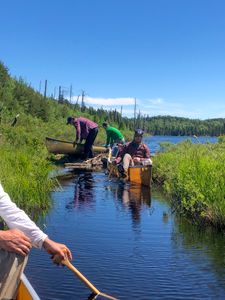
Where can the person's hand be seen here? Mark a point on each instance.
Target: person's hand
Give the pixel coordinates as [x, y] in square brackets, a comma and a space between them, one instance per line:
[105, 145]
[136, 159]
[57, 249]
[117, 160]
[14, 240]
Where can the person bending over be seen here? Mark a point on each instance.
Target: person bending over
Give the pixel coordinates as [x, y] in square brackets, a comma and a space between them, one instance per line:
[113, 135]
[85, 130]
[114, 138]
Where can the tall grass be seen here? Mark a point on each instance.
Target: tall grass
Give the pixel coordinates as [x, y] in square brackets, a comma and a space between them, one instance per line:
[24, 169]
[194, 176]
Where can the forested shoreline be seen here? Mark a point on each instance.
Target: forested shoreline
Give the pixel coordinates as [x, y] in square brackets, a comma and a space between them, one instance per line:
[17, 96]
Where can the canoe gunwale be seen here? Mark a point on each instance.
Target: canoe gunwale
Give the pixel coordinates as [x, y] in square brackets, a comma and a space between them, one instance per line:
[26, 290]
[57, 146]
[59, 141]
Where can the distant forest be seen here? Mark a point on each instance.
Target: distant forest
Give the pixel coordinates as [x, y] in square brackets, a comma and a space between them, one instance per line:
[16, 96]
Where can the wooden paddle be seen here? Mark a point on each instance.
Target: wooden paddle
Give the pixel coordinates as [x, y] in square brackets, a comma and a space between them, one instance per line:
[67, 263]
[112, 168]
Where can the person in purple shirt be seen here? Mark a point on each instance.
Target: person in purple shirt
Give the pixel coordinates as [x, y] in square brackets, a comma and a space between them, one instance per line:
[133, 153]
[85, 130]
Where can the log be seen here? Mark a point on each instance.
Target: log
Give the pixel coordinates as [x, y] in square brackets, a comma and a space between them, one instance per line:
[88, 167]
[92, 163]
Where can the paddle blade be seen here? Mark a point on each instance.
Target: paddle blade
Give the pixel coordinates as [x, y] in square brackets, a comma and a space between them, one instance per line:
[101, 296]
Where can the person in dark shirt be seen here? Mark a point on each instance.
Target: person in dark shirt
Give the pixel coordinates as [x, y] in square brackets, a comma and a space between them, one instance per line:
[85, 130]
[133, 153]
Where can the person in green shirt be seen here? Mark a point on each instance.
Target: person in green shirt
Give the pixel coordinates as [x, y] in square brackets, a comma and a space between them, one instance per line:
[114, 136]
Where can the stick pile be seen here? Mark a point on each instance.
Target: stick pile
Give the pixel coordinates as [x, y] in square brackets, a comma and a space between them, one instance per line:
[94, 163]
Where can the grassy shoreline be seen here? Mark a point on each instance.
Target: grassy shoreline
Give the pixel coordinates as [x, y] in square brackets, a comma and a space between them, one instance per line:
[24, 176]
[193, 175]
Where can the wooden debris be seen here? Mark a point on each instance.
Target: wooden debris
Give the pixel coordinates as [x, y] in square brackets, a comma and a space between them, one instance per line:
[90, 164]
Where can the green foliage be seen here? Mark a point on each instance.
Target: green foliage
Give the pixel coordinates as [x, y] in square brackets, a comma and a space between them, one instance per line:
[194, 176]
[221, 139]
[31, 102]
[6, 87]
[167, 125]
[24, 174]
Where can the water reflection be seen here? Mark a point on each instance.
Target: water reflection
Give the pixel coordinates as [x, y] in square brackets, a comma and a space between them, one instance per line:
[195, 240]
[133, 197]
[83, 192]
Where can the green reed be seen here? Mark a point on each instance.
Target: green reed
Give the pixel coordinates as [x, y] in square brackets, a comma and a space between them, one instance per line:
[24, 171]
[194, 176]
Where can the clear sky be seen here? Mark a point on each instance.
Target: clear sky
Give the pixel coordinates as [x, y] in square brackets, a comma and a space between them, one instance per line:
[168, 54]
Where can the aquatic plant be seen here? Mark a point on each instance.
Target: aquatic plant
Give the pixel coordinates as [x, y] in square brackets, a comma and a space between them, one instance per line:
[194, 176]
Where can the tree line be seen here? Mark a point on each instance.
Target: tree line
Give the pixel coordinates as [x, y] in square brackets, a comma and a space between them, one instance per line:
[17, 96]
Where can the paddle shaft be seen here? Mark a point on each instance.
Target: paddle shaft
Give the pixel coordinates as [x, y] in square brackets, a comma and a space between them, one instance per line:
[85, 280]
[81, 277]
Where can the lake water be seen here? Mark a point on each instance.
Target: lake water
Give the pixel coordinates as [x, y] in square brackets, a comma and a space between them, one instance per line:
[127, 242]
[154, 141]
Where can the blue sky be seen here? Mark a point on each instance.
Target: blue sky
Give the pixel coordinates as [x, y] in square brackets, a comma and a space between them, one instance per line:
[168, 54]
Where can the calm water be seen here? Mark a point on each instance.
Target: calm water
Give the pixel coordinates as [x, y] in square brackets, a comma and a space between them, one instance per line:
[127, 242]
[154, 141]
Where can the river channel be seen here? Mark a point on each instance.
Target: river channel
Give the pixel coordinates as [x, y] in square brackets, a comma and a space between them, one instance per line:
[127, 242]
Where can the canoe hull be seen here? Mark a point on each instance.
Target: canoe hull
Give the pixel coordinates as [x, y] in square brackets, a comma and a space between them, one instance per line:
[141, 174]
[65, 147]
[137, 174]
[26, 291]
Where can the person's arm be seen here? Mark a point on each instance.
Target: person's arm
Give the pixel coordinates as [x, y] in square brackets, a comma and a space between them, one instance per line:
[78, 130]
[108, 138]
[17, 218]
[121, 154]
[146, 153]
[24, 231]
